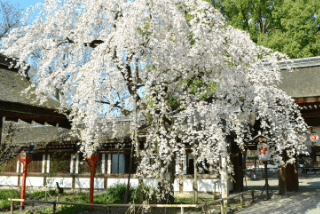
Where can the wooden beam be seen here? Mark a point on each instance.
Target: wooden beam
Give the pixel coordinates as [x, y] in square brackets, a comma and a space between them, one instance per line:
[27, 120]
[52, 123]
[40, 122]
[312, 121]
[305, 114]
[307, 99]
[15, 119]
[29, 109]
[28, 112]
[23, 116]
[65, 124]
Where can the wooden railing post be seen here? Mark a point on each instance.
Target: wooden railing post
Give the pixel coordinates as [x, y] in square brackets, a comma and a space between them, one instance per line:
[205, 208]
[252, 196]
[54, 207]
[241, 200]
[222, 207]
[11, 205]
[182, 210]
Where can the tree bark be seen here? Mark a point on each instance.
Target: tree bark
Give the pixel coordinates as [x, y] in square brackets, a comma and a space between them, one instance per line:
[1, 125]
[282, 177]
[195, 181]
[126, 196]
[224, 174]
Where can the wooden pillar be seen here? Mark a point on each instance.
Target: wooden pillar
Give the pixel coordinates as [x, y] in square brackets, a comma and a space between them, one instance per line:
[92, 160]
[25, 160]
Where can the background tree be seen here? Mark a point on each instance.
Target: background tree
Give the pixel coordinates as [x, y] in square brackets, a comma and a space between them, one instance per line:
[288, 26]
[10, 16]
[174, 67]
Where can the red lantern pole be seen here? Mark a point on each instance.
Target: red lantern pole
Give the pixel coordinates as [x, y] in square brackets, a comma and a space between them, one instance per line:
[92, 160]
[25, 161]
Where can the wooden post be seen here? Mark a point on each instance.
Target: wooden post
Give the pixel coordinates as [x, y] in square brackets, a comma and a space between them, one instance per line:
[54, 207]
[266, 178]
[182, 210]
[222, 207]
[252, 196]
[241, 200]
[45, 195]
[11, 205]
[214, 191]
[92, 160]
[205, 208]
[25, 160]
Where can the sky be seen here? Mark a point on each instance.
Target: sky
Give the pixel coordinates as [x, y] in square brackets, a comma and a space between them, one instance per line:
[23, 4]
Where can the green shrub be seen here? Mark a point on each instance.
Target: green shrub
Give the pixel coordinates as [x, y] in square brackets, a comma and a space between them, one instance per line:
[8, 193]
[71, 208]
[102, 199]
[41, 194]
[44, 211]
[116, 193]
[4, 204]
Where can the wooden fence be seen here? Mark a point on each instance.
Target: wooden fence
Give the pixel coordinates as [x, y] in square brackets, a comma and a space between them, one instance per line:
[204, 206]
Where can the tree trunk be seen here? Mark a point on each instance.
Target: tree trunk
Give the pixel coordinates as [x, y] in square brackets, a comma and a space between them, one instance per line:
[1, 124]
[195, 181]
[140, 190]
[224, 174]
[126, 196]
[165, 194]
[282, 177]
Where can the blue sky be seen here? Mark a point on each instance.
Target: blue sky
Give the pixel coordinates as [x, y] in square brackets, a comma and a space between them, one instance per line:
[24, 4]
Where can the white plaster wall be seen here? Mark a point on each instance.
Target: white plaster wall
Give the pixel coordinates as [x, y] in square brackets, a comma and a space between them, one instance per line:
[99, 183]
[204, 185]
[33, 181]
[113, 181]
[176, 185]
[85, 183]
[63, 182]
[9, 180]
[187, 184]
[207, 185]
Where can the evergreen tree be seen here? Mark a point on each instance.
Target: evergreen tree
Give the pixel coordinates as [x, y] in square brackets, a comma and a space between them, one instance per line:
[288, 26]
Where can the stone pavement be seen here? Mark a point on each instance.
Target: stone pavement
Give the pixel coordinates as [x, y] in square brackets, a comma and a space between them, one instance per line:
[306, 201]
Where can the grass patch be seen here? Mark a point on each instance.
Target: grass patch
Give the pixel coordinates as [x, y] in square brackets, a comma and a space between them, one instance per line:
[4, 195]
[41, 194]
